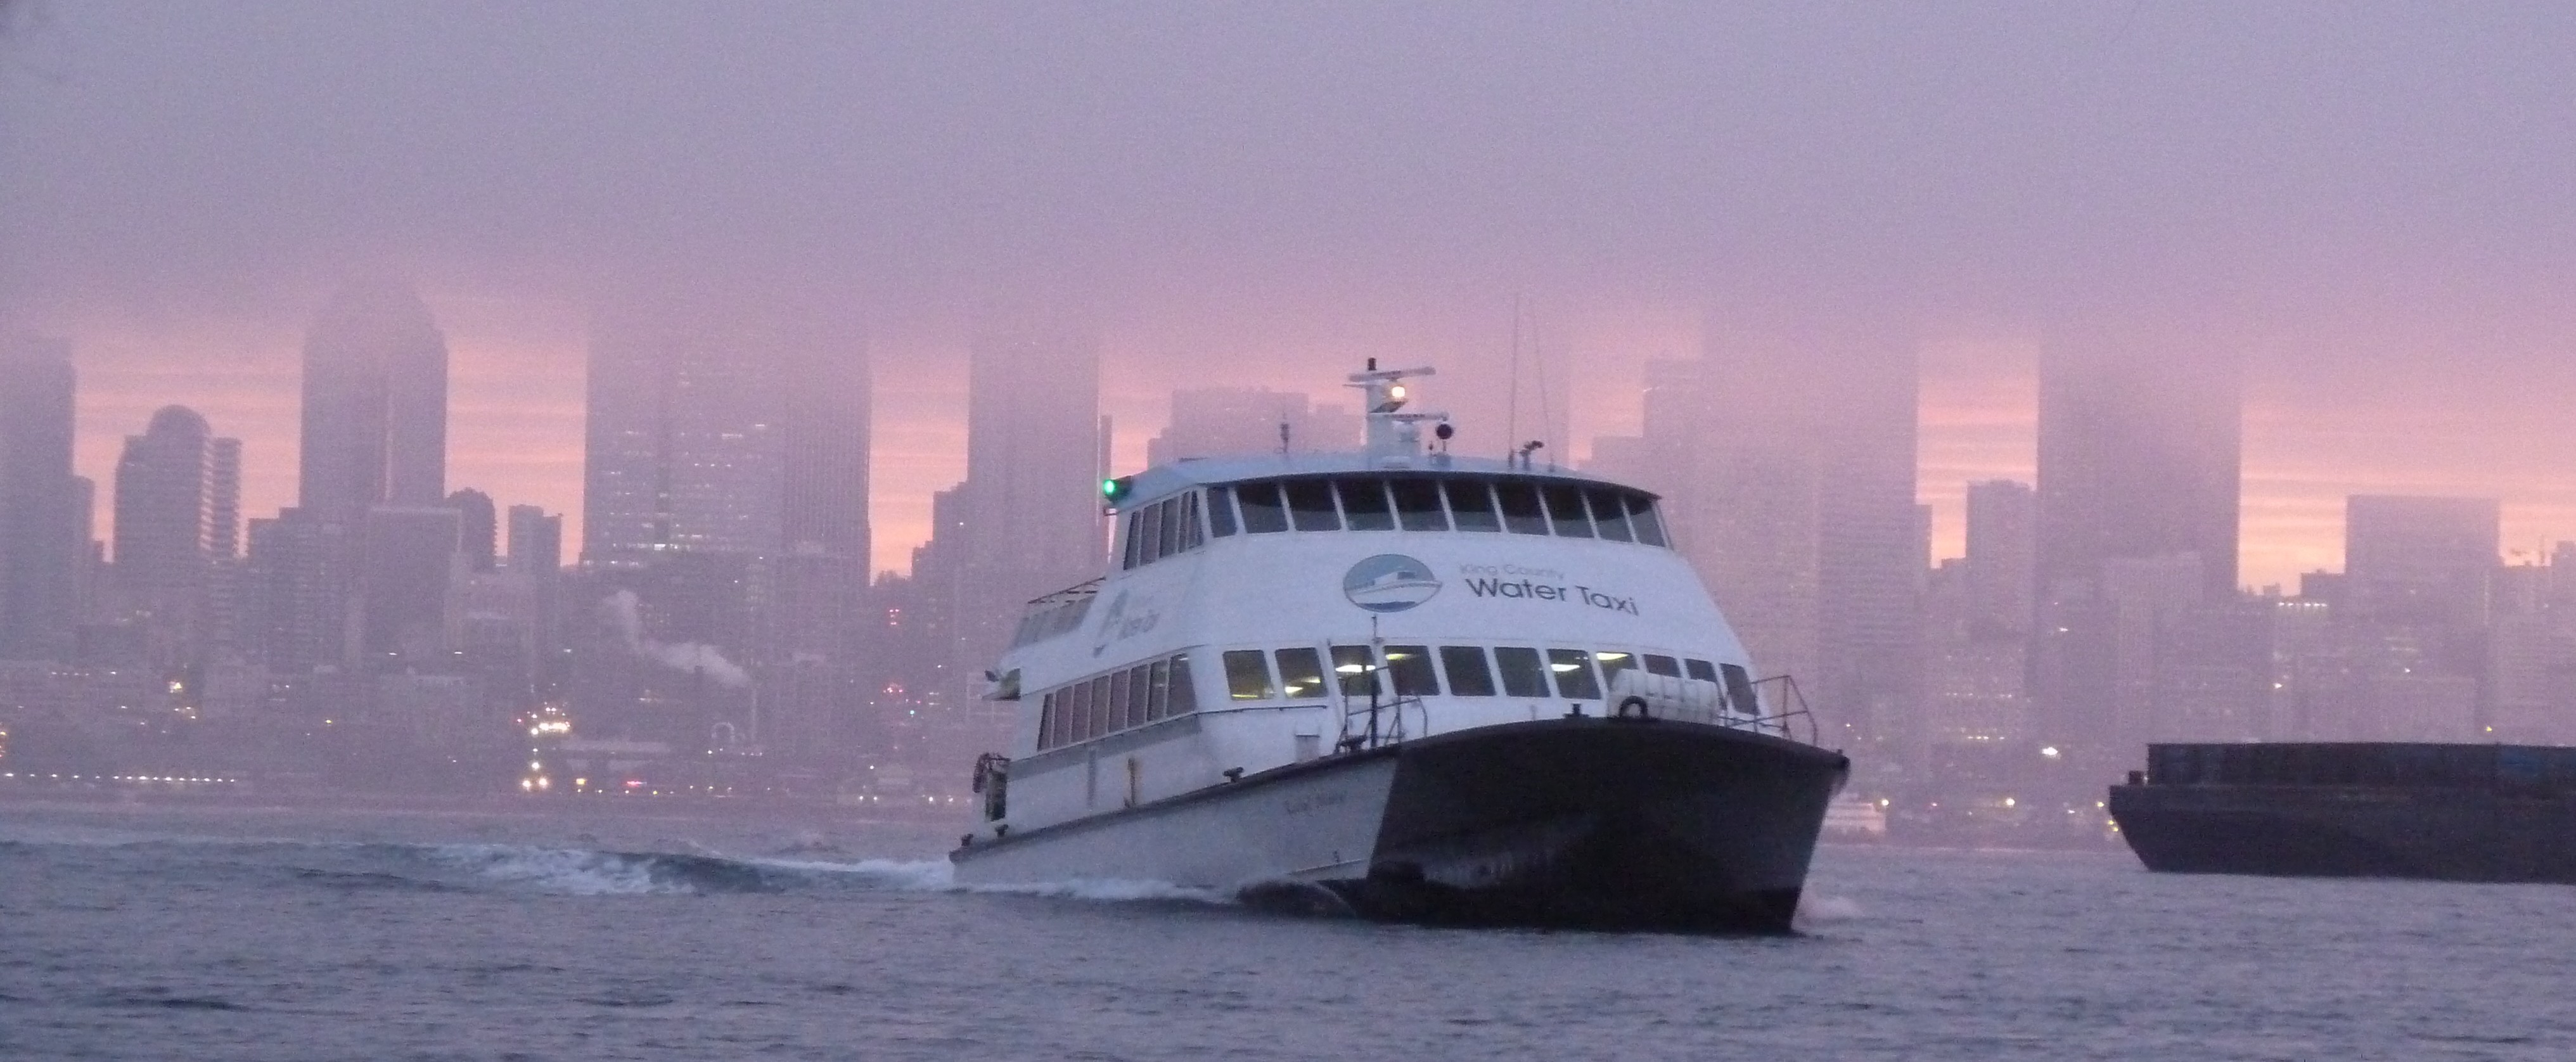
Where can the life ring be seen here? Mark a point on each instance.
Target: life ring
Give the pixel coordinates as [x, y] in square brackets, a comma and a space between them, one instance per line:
[1644, 711]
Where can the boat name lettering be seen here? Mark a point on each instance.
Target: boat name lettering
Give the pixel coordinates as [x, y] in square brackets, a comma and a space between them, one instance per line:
[1126, 620]
[1302, 804]
[1528, 590]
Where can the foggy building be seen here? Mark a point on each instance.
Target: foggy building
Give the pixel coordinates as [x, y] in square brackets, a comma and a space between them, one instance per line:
[168, 527]
[2420, 559]
[2138, 464]
[408, 562]
[683, 451]
[44, 514]
[297, 610]
[1221, 421]
[2002, 561]
[223, 499]
[374, 404]
[1788, 464]
[478, 530]
[1031, 511]
[536, 540]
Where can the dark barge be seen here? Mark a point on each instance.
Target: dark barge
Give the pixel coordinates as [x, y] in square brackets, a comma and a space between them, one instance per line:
[2394, 810]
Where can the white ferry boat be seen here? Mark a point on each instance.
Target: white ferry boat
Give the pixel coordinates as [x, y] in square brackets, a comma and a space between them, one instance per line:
[1407, 685]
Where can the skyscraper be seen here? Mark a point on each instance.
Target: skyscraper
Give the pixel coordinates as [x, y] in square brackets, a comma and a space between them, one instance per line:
[166, 531]
[536, 540]
[2138, 485]
[2002, 561]
[478, 528]
[375, 403]
[223, 499]
[43, 506]
[1216, 421]
[684, 450]
[2420, 560]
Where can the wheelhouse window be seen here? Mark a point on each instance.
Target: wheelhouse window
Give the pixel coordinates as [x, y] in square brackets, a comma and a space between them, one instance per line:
[1471, 504]
[1310, 504]
[1521, 512]
[1519, 504]
[1221, 511]
[1417, 504]
[1364, 505]
[1565, 512]
[1262, 512]
[1609, 514]
[1663, 665]
[1612, 663]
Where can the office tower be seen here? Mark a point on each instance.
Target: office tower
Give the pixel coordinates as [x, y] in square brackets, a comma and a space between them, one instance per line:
[408, 561]
[821, 568]
[1031, 500]
[2138, 484]
[1223, 421]
[536, 540]
[374, 404]
[2138, 458]
[296, 603]
[1787, 464]
[684, 448]
[44, 520]
[477, 528]
[165, 532]
[223, 499]
[2420, 560]
[2001, 562]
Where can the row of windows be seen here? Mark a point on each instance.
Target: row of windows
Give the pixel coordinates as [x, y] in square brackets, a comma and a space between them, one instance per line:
[1424, 503]
[1388, 503]
[1120, 700]
[1462, 670]
[1160, 530]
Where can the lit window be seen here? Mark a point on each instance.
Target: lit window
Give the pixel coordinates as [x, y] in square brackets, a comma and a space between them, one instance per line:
[1247, 676]
[1355, 671]
[1573, 671]
[1301, 673]
[1410, 667]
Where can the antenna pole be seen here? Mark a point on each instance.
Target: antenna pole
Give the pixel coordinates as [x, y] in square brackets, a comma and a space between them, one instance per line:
[1512, 411]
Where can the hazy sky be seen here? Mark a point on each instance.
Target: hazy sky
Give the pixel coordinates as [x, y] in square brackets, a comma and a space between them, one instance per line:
[2374, 203]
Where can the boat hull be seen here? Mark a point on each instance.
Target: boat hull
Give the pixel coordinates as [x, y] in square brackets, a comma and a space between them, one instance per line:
[1586, 822]
[2352, 831]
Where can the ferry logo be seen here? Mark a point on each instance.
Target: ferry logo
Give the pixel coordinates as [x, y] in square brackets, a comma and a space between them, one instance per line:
[1389, 582]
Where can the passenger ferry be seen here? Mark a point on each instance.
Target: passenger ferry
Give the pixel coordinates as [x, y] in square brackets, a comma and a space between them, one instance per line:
[1405, 685]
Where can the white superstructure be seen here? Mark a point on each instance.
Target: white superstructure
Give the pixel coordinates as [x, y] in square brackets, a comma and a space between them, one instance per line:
[1264, 611]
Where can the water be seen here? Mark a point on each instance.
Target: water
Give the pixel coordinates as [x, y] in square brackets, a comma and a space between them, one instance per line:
[306, 935]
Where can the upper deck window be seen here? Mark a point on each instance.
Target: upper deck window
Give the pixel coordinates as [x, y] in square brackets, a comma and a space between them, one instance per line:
[1641, 515]
[1364, 505]
[1167, 527]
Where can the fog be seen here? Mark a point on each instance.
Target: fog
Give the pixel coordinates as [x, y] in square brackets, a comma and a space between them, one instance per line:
[2370, 199]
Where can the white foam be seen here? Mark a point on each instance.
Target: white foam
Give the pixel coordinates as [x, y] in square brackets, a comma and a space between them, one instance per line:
[567, 871]
[938, 875]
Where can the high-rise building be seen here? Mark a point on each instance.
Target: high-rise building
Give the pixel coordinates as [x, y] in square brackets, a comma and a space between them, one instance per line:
[408, 563]
[44, 519]
[684, 449]
[167, 530]
[223, 499]
[478, 530]
[2420, 560]
[1218, 421]
[2138, 485]
[374, 404]
[1788, 465]
[2001, 562]
[536, 540]
[1031, 500]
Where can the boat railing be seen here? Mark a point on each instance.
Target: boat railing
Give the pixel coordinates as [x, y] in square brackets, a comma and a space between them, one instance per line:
[1373, 722]
[1056, 613]
[1786, 703]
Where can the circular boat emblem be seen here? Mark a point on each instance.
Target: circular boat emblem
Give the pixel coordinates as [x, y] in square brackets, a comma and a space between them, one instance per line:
[1389, 582]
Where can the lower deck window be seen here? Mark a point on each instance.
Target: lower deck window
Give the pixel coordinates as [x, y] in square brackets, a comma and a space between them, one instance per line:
[1523, 675]
[1573, 670]
[1247, 676]
[1468, 675]
[1301, 673]
[1410, 667]
[1121, 700]
[1355, 671]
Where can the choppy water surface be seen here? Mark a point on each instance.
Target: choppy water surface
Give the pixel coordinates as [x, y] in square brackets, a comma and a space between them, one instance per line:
[299, 935]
